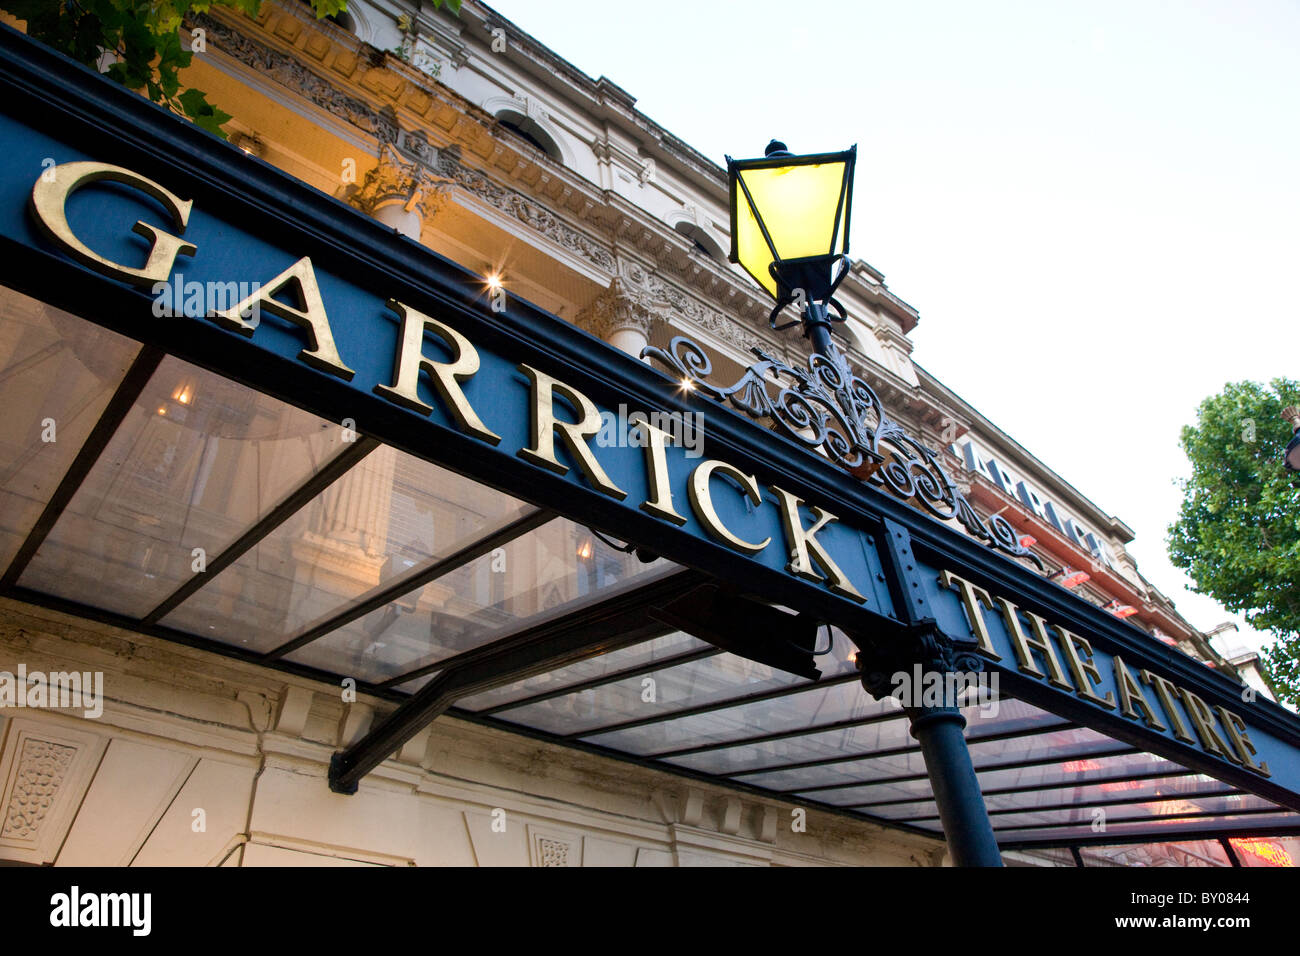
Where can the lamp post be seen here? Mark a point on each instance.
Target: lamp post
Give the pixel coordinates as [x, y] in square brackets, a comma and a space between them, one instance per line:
[1291, 457]
[790, 232]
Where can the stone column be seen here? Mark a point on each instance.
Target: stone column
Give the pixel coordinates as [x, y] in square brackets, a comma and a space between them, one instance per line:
[399, 194]
[620, 317]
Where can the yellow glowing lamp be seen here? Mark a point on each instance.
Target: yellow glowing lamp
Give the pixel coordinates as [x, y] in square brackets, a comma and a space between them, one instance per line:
[790, 219]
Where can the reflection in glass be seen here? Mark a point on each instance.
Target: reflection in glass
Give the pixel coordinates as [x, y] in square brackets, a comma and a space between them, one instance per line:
[803, 708]
[389, 517]
[696, 683]
[197, 461]
[57, 373]
[551, 570]
[1159, 811]
[627, 658]
[1192, 853]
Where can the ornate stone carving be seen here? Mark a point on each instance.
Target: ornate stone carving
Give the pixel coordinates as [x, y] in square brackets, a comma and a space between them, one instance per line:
[615, 310]
[394, 182]
[531, 214]
[289, 72]
[723, 327]
[42, 767]
[553, 852]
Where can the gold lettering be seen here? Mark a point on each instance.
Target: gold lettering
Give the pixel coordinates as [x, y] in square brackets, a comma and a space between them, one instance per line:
[447, 376]
[574, 435]
[1206, 728]
[702, 503]
[660, 500]
[972, 596]
[1236, 728]
[803, 544]
[1078, 657]
[1023, 645]
[49, 208]
[1166, 691]
[1131, 697]
[321, 353]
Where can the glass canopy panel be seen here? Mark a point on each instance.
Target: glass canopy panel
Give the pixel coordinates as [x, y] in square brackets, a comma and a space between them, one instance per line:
[863, 739]
[696, 683]
[57, 374]
[887, 734]
[391, 516]
[1169, 828]
[805, 708]
[918, 811]
[1266, 850]
[1190, 785]
[1043, 856]
[1072, 741]
[628, 658]
[196, 462]
[552, 570]
[1191, 853]
[1078, 771]
[1157, 810]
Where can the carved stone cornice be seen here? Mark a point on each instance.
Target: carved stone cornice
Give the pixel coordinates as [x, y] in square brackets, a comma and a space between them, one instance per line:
[394, 182]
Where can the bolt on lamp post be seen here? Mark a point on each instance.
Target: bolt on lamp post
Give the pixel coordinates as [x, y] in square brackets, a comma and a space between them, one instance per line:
[790, 231]
[1291, 457]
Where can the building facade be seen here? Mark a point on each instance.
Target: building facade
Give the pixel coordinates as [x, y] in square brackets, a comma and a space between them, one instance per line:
[332, 576]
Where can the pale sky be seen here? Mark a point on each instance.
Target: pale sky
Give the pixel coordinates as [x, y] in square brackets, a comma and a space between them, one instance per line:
[1093, 205]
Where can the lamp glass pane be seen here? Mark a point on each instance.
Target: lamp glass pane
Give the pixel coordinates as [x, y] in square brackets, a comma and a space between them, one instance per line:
[751, 248]
[798, 205]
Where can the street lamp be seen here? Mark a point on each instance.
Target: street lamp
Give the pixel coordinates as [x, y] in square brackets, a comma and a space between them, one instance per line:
[790, 231]
[1291, 457]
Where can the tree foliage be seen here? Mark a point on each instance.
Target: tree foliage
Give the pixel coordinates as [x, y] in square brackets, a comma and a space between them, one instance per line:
[141, 38]
[1238, 529]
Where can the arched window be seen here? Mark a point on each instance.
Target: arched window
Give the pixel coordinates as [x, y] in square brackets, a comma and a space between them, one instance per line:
[703, 241]
[529, 130]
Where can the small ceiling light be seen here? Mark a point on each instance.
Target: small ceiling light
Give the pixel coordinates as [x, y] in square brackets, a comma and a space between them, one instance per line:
[162, 409]
[688, 385]
[494, 281]
[250, 143]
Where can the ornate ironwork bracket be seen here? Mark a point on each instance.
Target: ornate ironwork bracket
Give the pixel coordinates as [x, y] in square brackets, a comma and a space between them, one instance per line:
[921, 644]
[826, 406]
